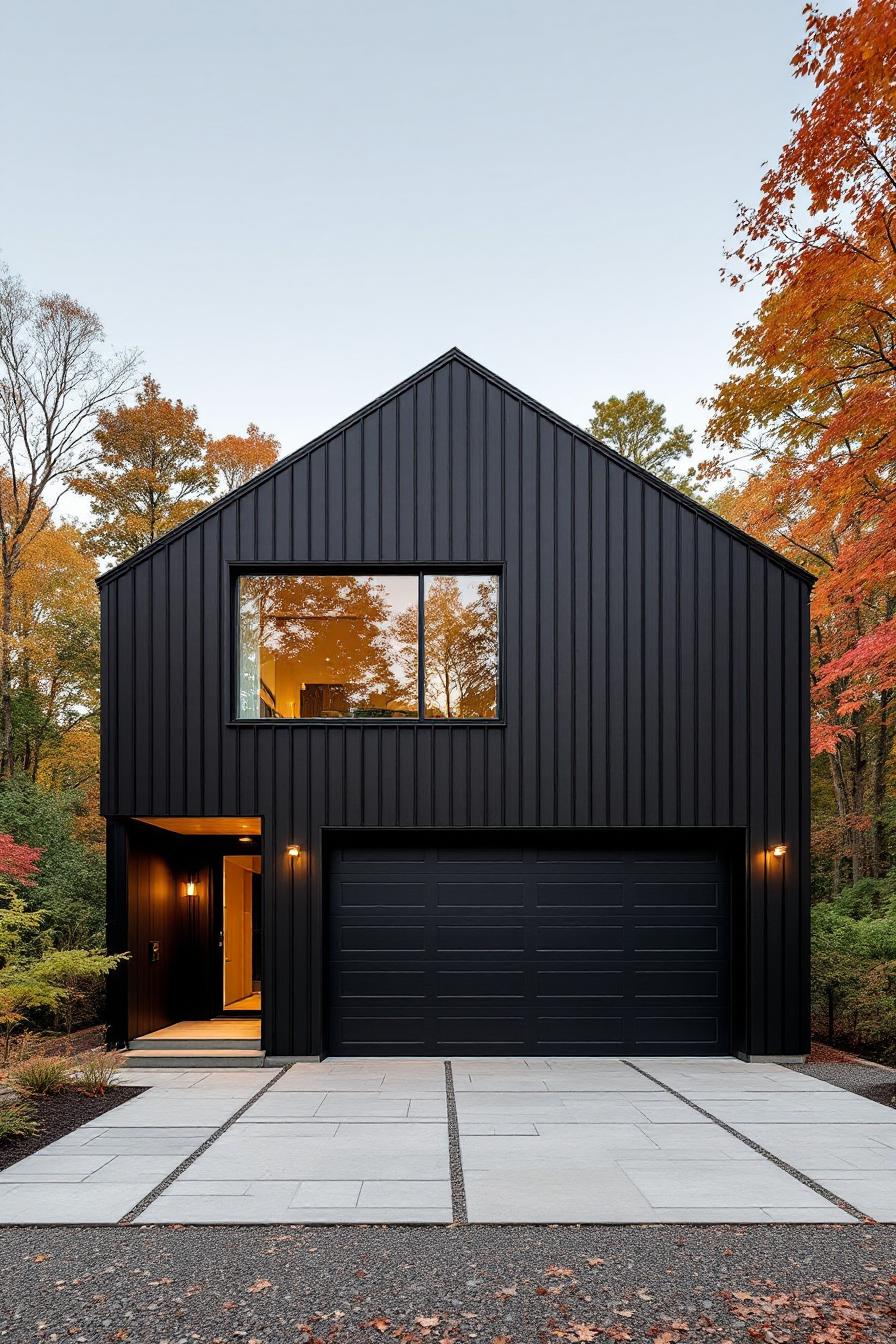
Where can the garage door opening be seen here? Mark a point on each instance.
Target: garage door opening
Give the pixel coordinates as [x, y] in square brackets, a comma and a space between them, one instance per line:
[529, 944]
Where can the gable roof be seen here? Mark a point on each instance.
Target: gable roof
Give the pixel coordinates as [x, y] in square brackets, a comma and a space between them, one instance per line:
[428, 369]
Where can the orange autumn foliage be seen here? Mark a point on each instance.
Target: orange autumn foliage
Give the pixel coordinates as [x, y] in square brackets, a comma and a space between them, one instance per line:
[811, 400]
[54, 651]
[238, 457]
[151, 472]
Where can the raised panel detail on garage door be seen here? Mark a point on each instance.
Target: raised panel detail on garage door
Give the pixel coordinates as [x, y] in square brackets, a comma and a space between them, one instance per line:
[534, 949]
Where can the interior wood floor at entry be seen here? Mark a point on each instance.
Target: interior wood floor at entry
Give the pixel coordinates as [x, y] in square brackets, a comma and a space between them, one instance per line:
[217, 1029]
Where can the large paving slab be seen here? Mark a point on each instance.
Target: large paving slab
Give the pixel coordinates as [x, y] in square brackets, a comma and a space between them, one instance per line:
[100, 1171]
[338, 1142]
[546, 1141]
[844, 1142]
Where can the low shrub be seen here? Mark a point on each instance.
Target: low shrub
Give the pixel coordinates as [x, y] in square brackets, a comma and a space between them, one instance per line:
[41, 1075]
[95, 1072]
[16, 1121]
[854, 969]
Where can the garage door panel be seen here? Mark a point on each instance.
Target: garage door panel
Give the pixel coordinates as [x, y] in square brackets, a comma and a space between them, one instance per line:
[580, 984]
[485, 985]
[677, 895]
[471, 855]
[581, 1034]
[488, 1034]
[469, 895]
[571, 938]
[663, 858]
[375, 985]
[678, 938]
[370, 894]
[527, 949]
[681, 985]
[382, 1033]
[362, 855]
[562, 857]
[585, 894]
[370, 936]
[672, 1034]
[481, 937]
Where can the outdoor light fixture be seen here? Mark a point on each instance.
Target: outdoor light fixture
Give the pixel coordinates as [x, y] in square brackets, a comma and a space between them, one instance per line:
[293, 851]
[779, 851]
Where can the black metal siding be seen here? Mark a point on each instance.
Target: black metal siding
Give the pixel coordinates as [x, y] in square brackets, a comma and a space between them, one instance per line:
[655, 673]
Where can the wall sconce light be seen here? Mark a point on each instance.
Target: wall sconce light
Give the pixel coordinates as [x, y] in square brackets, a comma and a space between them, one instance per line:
[293, 851]
[192, 885]
[779, 851]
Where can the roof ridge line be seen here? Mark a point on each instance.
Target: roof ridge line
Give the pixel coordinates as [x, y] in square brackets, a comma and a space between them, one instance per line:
[455, 353]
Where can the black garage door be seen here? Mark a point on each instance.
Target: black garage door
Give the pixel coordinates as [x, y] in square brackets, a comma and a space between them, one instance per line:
[530, 948]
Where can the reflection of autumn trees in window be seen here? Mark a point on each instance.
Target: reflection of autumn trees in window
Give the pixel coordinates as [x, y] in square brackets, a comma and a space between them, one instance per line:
[327, 645]
[347, 646]
[460, 621]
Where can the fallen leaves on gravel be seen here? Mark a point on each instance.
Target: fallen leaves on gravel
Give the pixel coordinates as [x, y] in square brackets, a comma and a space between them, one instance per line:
[780, 1317]
[536, 1304]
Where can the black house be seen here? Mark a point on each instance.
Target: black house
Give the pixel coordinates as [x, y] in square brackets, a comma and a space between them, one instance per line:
[456, 733]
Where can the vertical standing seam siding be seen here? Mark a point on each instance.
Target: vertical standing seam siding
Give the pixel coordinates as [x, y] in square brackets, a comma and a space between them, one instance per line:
[654, 672]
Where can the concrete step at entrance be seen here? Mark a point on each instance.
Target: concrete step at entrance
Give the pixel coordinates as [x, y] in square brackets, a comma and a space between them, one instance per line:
[192, 1044]
[194, 1058]
[204, 1043]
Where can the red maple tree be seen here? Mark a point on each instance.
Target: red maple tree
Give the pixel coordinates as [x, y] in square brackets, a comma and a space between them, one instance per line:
[810, 403]
[18, 862]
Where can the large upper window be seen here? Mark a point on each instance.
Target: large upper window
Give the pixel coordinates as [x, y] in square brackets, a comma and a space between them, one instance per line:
[349, 646]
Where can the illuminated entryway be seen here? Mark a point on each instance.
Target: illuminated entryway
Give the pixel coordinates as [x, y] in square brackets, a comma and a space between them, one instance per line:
[194, 977]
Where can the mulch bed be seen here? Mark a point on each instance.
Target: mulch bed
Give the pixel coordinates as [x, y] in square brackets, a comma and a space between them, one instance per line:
[829, 1054]
[58, 1115]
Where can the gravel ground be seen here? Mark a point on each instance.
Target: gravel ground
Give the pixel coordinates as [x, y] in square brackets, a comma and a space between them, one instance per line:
[513, 1285]
[866, 1080]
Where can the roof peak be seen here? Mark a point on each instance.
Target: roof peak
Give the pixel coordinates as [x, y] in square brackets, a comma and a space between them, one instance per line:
[454, 352]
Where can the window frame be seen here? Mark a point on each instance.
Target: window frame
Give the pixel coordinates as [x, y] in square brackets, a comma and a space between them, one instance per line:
[247, 569]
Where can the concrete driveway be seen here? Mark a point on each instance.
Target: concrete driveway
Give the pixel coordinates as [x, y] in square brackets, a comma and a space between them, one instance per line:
[483, 1140]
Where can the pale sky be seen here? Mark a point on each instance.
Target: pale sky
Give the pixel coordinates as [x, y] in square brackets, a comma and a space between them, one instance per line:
[289, 207]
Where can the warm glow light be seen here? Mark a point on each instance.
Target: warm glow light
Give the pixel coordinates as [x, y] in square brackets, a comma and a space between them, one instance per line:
[293, 851]
[191, 888]
[779, 851]
[245, 839]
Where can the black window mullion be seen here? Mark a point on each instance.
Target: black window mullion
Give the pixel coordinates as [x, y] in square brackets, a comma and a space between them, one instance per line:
[421, 651]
